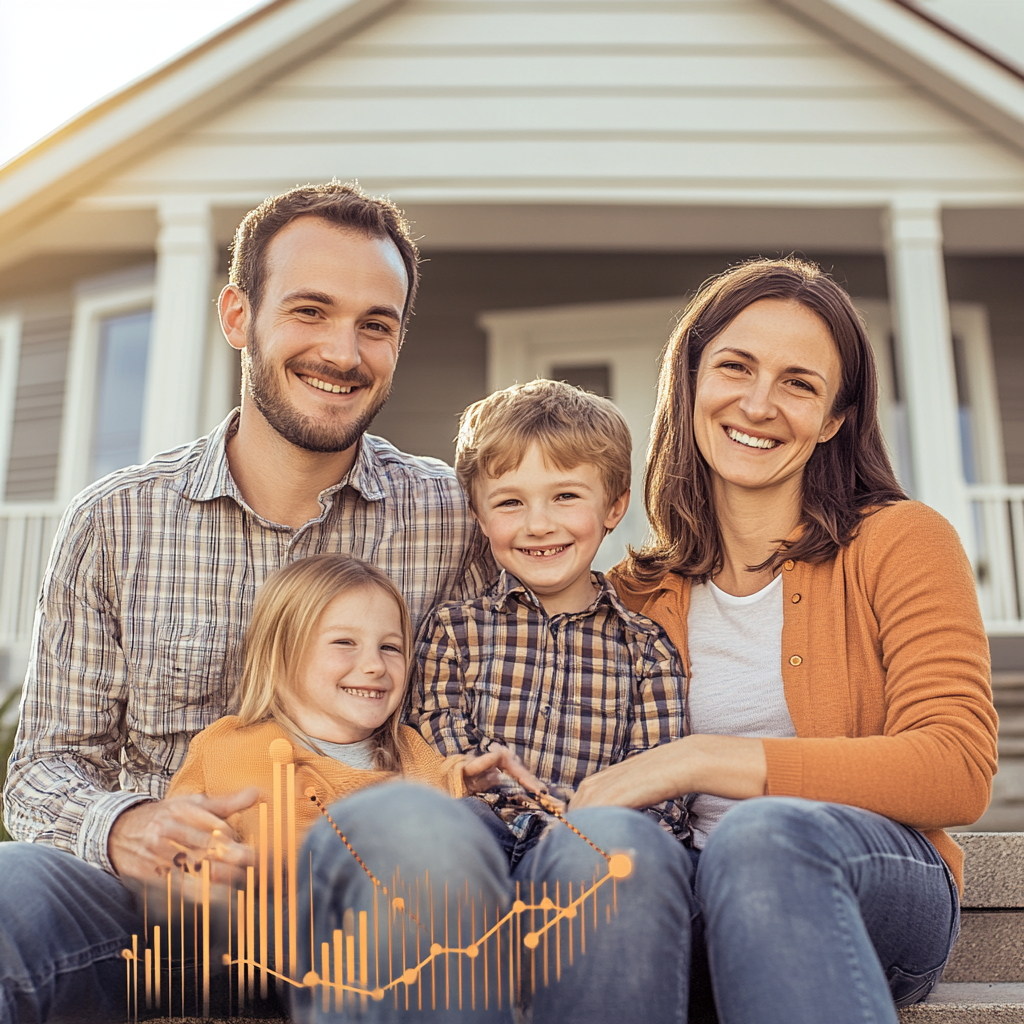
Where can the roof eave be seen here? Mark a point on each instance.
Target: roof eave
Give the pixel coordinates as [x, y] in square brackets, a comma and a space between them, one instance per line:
[955, 70]
[208, 77]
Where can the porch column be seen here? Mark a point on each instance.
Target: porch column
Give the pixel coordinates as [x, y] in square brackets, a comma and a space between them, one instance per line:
[174, 373]
[917, 290]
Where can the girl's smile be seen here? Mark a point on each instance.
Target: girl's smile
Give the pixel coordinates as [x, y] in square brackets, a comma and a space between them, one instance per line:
[353, 671]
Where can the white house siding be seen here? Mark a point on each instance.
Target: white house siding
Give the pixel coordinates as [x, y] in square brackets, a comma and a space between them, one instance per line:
[39, 402]
[584, 99]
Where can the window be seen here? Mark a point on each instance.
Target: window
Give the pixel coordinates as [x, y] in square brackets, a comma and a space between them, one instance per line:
[120, 387]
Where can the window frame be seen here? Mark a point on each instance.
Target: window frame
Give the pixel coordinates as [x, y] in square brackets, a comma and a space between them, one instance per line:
[92, 307]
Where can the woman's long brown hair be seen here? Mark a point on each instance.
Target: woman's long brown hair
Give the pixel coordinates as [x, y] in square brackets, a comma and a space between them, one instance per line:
[844, 476]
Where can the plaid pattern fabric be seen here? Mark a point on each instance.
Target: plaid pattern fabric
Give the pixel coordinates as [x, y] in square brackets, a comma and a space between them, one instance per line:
[569, 694]
[146, 600]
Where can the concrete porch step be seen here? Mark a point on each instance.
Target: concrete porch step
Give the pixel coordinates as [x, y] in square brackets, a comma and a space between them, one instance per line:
[968, 1003]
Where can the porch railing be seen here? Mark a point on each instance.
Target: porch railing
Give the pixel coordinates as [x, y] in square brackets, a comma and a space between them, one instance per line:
[26, 533]
[998, 513]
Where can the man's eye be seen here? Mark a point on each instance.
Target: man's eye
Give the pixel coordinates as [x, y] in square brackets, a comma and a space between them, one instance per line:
[508, 503]
[308, 311]
[376, 325]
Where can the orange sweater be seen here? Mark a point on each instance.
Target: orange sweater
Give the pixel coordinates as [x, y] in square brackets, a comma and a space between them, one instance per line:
[227, 757]
[887, 675]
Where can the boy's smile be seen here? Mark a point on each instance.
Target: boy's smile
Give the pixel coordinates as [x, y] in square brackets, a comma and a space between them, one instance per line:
[545, 525]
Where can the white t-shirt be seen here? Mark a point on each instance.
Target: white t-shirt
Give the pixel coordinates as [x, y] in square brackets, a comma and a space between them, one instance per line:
[736, 686]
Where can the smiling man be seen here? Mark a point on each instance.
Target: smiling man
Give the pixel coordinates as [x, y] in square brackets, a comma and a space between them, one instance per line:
[154, 569]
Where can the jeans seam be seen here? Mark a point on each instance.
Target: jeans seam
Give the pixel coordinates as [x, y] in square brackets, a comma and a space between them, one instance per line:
[851, 952]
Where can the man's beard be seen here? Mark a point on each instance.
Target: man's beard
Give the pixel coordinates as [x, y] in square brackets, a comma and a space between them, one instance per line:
[313, 435]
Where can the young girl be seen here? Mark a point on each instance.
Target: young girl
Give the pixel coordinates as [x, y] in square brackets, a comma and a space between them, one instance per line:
[326, 666]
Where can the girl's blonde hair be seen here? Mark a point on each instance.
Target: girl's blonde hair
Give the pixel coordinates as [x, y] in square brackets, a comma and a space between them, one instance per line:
[287, 609]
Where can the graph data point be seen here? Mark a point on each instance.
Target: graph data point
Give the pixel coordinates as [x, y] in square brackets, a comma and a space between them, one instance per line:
[410, 976]
[310, 978]
[531, 940]
[377, 995]
[518, 907]
[436, 948]
[473, 952]
[619, 865]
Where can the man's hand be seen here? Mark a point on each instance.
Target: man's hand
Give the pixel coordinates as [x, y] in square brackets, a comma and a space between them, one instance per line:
[483, 772]
[150, 839]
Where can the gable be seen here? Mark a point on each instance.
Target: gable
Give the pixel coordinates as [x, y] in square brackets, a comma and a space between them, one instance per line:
[586, 100]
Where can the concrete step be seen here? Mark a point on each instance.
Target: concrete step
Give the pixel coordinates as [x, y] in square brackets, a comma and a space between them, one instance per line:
[968, 1003]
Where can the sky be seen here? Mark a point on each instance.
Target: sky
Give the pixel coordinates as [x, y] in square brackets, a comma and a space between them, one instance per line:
[58, 57]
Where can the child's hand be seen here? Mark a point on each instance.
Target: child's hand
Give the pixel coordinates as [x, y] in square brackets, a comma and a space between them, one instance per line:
[483, 772]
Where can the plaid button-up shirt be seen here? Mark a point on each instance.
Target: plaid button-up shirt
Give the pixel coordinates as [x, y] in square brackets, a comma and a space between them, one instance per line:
[146, 600]
[569, 693]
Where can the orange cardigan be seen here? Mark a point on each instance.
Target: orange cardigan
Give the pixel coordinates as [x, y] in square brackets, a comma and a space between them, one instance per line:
[227, 757]
[887, 675]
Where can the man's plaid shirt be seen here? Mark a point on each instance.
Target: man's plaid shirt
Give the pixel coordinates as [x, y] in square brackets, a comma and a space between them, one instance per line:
[146, 600]
[570, 693]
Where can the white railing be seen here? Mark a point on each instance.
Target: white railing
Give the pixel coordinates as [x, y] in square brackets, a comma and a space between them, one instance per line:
[26, 532]
[998, 513]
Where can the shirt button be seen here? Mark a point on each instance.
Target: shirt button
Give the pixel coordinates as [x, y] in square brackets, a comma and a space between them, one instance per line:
[546, 710]
[796, 660]
[788, 564]
[795, 599]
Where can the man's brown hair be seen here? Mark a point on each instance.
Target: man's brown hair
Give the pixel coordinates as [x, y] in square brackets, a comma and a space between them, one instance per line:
[342, 203]
[570, 426]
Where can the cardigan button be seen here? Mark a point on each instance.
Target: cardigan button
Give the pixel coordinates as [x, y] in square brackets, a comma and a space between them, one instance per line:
[796, 660]
[795, 599]
[788, 564]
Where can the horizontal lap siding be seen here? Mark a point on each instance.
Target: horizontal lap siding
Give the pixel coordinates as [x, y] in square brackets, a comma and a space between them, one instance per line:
[38, 409]
[585, 95]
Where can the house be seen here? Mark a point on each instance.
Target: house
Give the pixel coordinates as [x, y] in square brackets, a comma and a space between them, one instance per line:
[575, 169]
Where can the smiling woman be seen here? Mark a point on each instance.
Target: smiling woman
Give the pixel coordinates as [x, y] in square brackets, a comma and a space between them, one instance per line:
[838, 689]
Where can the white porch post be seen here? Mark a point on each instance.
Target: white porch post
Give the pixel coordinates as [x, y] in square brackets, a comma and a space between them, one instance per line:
[174, 375]
[917, 286]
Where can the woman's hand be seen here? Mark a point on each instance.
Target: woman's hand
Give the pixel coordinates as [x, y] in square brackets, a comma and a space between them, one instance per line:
[483, 772]
[728, 766]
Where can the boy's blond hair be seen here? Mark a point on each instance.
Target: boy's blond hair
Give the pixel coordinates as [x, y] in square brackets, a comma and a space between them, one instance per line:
[287, 609]
[571, 427]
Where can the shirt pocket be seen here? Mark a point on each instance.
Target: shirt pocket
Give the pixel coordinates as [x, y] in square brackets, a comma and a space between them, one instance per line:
[187, 688]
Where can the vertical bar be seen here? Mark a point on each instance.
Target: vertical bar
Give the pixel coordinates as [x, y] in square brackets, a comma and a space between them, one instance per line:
[263, 900]
[250, 929]
[206, 938]
[325, 975]
[293, 876]
[135, 973]
[170, 948]
[350, 962]
[148, 971]
[364, 957]
[156, 958]
[241, 949]
[338, 936]
[278, 872]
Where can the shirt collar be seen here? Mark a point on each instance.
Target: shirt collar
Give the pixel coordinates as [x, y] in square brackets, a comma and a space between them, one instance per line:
[212, 478]
[508, 586]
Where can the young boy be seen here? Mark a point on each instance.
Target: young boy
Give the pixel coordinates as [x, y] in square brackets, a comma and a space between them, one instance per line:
[548, 662]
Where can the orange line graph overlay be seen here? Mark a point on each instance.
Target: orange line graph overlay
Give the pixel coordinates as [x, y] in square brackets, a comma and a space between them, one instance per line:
[543, 927]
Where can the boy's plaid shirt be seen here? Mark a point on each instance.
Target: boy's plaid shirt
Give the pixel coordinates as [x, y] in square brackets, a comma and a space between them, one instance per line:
[570, 693]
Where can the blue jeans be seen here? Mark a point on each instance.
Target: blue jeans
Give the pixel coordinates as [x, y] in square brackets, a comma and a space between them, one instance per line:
[821, 912]
[63, 924]
[636, 956]
[809, 911]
